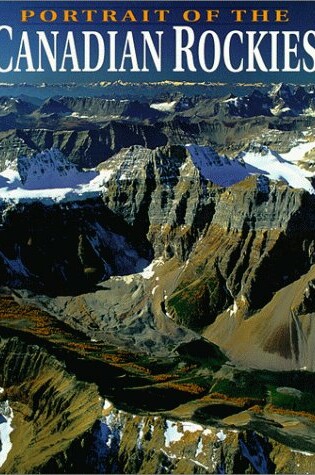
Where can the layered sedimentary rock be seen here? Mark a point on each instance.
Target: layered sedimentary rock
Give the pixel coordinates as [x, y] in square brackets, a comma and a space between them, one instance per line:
[237, 246]
[220, 249]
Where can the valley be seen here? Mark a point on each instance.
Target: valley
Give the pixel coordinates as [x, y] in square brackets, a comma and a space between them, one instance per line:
[157, 282]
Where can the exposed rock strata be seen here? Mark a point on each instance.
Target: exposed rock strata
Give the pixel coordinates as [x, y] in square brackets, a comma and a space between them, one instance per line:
[215, 245]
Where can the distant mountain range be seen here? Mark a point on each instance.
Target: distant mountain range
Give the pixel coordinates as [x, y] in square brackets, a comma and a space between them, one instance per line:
[167, 103]
[125, 88]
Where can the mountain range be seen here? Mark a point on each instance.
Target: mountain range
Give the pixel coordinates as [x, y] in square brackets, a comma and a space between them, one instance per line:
[157, 283]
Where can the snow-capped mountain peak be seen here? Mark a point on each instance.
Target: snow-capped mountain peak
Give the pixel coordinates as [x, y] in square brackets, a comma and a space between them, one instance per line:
[48, 169]
[49, 177]
[255, 160]
[217, 168]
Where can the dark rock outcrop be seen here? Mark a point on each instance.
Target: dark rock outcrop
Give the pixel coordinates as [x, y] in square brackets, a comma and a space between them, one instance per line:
[66, 248]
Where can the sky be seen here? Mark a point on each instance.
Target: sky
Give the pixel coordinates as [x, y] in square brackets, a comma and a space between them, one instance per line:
[300, 16]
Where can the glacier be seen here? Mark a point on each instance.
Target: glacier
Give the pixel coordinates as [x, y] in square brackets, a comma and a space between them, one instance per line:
[50, 177]
[256, 160]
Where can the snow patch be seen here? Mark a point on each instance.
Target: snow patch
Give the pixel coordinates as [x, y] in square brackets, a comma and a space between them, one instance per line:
[164, 106]
[233, 100]
[279, 109]
[148, 271]
[191, 427]
[275, 167]
[221, 435]
[199, 464]
[140, 434]
[297, 153]
[170, 456]
[154, 289]
[107, 405]
[302, 452]
[171, 433]
[233, 311]
[6, 416]
[216, 168]
[175, 430]
[199, 449]
[112, 427]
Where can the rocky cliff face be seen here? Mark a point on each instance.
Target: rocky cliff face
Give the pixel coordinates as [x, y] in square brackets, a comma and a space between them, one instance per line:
[161, 195]
[66, 248]
[125, 275]
[214, 244]
[95, 107]
[86, 148]
[89, 143]
[231, 238]
[128, 443]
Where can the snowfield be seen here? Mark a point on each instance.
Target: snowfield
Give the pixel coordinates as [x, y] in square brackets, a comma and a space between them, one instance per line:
[164, 106]
[216, 168]
[258, 160]
[50, 178]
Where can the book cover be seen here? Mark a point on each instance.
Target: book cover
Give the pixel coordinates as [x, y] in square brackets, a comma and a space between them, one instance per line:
[157, 243]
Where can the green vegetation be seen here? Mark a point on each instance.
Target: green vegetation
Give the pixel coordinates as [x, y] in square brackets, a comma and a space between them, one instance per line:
[305, 402]
[245, 386]
[190, 305]
[286, 391]
[197, 304]
[202, 352]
